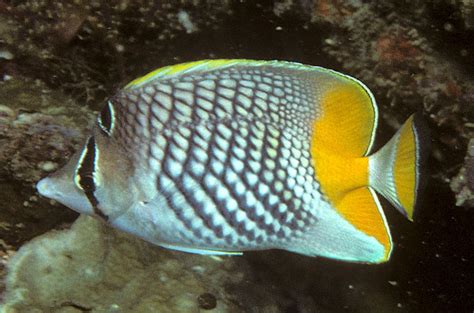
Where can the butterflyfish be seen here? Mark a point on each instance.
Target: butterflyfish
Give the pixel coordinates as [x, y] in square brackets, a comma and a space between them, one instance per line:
[218, 157]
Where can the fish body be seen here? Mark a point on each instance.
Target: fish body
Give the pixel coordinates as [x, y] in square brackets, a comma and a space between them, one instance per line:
[224, 156]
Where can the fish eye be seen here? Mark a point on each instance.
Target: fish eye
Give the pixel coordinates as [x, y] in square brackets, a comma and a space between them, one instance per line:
[106, 118]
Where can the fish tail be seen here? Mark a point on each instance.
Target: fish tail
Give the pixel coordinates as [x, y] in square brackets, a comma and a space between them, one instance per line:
[395, 170]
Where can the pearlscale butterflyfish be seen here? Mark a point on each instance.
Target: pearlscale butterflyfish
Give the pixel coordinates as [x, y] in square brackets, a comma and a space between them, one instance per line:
[222, 156]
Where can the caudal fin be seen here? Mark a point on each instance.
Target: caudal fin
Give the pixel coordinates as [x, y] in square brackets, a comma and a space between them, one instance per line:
[395, 170]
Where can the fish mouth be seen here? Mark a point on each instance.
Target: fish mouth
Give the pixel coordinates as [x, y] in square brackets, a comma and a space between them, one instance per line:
[44, 188]
[51, 188]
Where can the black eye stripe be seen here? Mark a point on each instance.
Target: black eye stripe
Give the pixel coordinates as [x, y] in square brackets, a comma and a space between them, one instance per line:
[86, 174]
[86, 167]
[106, 118]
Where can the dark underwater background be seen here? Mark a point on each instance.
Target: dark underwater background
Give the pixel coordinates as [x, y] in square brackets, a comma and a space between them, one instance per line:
[60, 60]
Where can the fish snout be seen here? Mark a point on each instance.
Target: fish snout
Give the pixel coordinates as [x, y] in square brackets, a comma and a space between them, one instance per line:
[44, 187]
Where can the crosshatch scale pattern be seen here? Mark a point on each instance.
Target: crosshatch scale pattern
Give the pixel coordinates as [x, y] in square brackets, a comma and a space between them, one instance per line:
[229, 150]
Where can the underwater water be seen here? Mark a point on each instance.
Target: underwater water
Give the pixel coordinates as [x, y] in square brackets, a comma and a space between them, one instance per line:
[431, 267]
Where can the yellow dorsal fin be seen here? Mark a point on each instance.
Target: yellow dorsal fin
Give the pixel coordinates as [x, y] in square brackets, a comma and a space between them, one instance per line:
[189, 67]
[173, 70]
[348, 118]
[209, 65]
[362, 209]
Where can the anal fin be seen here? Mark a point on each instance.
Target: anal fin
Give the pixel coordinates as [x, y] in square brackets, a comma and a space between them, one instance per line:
[363, 210]
[354, 230]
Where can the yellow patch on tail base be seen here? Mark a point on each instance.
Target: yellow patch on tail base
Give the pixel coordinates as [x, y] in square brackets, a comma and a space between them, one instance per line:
[338, 175]
[344, 182]
[404, 169]
[342, 136]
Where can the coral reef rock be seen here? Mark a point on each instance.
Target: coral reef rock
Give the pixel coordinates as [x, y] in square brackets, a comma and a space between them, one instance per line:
[85, 46]
[391, 53]
[93, 268]
[39, 130]
[463, 183]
